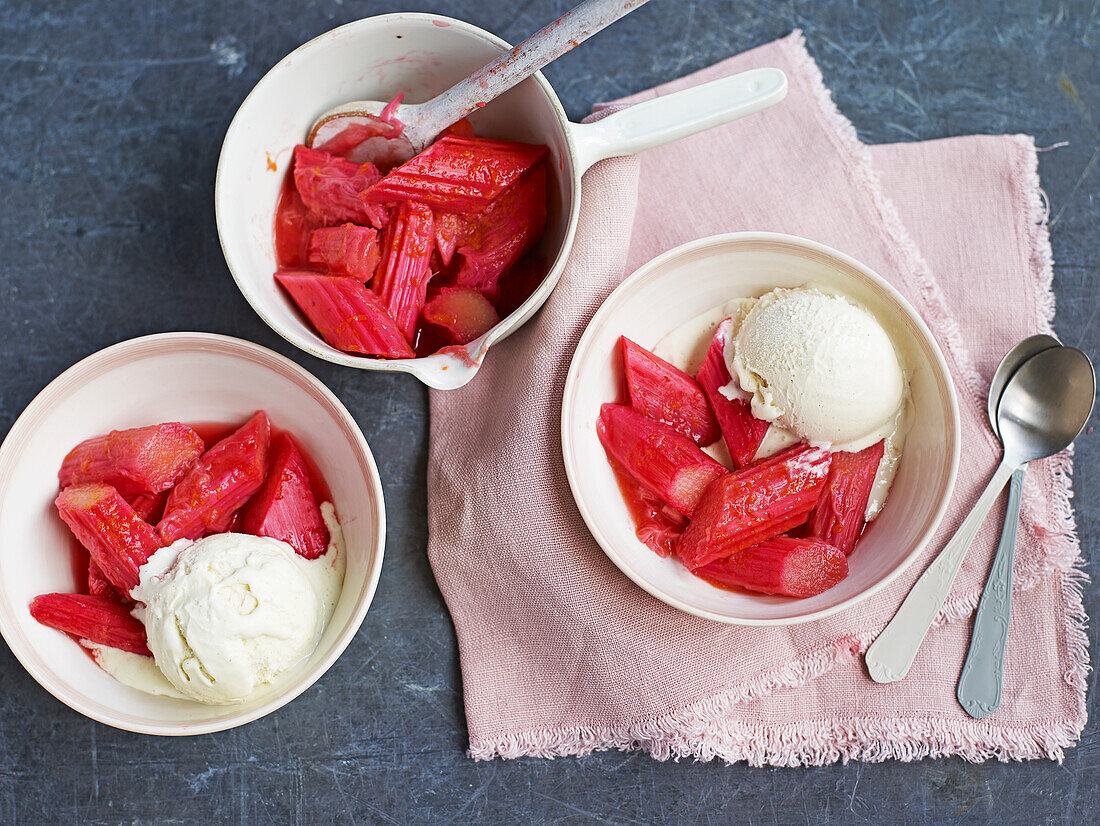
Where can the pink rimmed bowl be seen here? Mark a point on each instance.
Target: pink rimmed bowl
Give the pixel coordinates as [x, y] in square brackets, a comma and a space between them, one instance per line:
[190, 377]
[693, 279]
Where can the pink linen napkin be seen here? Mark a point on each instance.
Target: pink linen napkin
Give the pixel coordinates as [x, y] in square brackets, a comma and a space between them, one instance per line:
[562, 654]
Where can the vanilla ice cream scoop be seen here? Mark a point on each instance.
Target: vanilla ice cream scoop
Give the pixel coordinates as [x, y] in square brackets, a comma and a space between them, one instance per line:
[819, 366]
[227, 614]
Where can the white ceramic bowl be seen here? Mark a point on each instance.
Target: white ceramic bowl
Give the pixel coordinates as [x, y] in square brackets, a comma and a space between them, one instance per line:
[699, 276]
[190, 377]
[423, 55]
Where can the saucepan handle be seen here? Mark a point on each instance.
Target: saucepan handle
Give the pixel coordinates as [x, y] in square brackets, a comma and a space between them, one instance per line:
[677, 115]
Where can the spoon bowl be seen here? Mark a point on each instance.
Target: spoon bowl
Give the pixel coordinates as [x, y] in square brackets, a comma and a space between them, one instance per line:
[1045, 404]
[1030, 346]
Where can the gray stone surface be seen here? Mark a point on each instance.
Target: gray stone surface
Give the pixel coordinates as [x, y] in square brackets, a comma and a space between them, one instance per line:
[111, 119]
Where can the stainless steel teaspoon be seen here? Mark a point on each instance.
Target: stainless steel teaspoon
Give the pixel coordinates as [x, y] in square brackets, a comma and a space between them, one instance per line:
[1044, 406]
[979, 689]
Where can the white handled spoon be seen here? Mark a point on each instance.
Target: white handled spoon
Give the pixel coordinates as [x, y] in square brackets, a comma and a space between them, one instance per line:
[1044, 406]
[979, 689]
[422, 122]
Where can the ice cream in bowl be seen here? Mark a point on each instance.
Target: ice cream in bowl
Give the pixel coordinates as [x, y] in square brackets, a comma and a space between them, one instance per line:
[191, 532]
[759, 430]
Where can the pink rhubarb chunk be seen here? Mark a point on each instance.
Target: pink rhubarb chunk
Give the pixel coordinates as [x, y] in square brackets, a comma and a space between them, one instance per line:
[839, 515]
[223, 480]
[463, 312]
[401, 280]
[782, 565]
[139, 460]
[499, 236]
[95, 619]
[330, 186]
[667, 394]
[345, 250]
[118, 540]
[348, 315]
[456, 174]
[754, 504]
[667, 463]
[742, 431]
[286, 508]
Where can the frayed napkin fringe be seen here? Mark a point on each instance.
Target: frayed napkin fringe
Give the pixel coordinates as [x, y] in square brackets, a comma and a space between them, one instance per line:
[658, 736]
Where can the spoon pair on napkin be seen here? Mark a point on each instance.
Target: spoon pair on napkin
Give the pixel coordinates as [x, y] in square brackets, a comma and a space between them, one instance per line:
[1040, 399]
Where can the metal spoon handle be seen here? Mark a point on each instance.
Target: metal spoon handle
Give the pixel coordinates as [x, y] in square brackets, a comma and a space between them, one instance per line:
[893, 651]
[547, 44]
[979, 689]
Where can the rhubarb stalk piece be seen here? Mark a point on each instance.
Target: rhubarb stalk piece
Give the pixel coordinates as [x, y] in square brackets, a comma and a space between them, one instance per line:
[496, 238]
[401, 281]
[839, 515]
[94, 619]
[345, 250]
[665, 462]
[667, 394]
[286, 508]
[754, 504]
[463, 312]
[348, 315]
[118, 540]
[223, 480]
[330, 186]
[139, 460]
[781, 565]
[457, 174]
[742, 431]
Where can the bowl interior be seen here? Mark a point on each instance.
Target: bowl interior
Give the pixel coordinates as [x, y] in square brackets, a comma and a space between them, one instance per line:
[372, 59]
[698, 277]
[172, 377]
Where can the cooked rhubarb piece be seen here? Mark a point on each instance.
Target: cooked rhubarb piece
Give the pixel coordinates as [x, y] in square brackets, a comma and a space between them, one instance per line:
[781, 565]
[348, 315]
[667, 394]
[401, 280]
[293, 225]
[457, 174]
[754, 504]
[95, 619]
[665, 462]
[139, 460]
[118, 540]
[345, 250]
[742, 431]
[658, 525]
[285, 508]
[496, 238]
[463, 312]
[100, 586]
[149, 506]
[839, 515]
[330, 186]
[224, 479]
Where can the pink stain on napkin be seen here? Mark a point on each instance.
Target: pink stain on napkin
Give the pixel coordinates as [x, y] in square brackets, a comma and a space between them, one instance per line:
[562, 654]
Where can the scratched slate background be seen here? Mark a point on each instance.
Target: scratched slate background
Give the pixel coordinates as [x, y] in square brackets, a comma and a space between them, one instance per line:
[111, 119]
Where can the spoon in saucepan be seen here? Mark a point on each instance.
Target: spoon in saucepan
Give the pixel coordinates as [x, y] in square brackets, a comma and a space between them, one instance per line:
[1045, 404]
[422, 122]
[979, 690]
